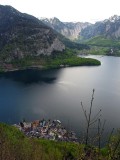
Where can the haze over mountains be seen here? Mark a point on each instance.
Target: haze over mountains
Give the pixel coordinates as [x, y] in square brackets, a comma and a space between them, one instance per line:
[109, 28]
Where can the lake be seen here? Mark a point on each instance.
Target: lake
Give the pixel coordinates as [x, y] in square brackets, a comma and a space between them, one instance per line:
[57, 94]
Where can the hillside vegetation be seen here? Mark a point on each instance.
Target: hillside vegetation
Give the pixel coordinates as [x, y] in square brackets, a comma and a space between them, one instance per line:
[56, 60]
[101, 45]
[103, 42]
[15, 146]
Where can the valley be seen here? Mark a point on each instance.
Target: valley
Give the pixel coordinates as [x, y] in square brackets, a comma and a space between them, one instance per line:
[101, 37]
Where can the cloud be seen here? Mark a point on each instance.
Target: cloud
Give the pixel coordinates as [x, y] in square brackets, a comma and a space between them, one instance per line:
[68, 10]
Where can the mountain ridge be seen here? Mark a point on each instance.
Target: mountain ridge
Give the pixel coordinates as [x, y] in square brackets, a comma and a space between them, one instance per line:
[70, 30]
[79, 31]
[110, 28]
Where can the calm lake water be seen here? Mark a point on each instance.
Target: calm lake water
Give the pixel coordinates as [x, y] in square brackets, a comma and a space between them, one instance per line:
[56, 94]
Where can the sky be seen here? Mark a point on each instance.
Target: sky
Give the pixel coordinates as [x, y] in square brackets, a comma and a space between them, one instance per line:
[68, 10]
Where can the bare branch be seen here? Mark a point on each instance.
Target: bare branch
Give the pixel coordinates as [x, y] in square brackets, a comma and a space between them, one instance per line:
[96, 115]
[84, 111]
[94, 121]
[102, 130]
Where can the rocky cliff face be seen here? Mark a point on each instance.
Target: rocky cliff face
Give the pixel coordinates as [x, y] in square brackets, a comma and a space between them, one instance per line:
[57, 45]
[68, 29]
[24, 35]
[110, 28]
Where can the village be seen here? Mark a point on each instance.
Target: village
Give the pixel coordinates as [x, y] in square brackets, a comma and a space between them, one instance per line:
[52, 130]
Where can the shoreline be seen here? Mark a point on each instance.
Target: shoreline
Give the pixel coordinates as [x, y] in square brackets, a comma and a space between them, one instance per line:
[45, 67]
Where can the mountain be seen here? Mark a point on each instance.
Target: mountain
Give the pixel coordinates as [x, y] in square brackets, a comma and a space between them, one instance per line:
[103, 37]
[109, 28]
[26, 42]
[24, 35]
[70, 30]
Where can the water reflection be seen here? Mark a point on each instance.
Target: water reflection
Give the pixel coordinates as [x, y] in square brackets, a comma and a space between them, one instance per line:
[30, 76]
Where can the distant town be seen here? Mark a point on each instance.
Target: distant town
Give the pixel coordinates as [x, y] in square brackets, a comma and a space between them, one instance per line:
[46, 129]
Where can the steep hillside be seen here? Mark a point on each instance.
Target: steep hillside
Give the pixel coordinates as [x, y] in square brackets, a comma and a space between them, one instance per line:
[24, 35]
[15, 145]
[70, 30]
